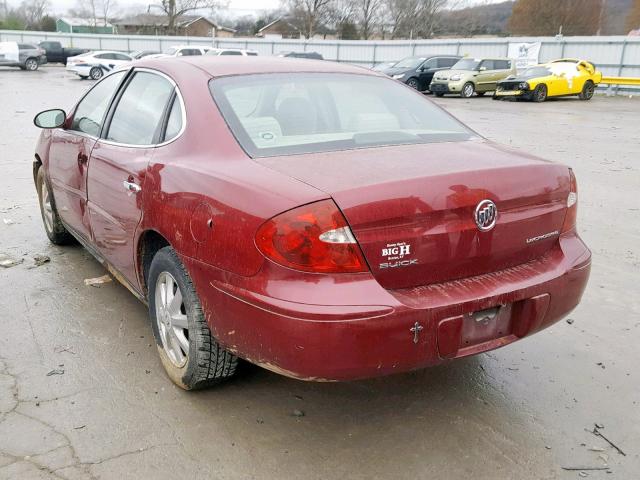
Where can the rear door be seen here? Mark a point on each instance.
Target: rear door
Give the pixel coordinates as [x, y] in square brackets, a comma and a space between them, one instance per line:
[485, 78]
[134, 127]
[70, 151]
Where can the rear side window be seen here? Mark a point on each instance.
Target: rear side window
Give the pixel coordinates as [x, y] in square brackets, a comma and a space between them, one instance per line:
[25, 46]
[174, 122]
[90, 112]
[487, 64]
[252, 54]
[137, 115]
[502, 64]
[230, 52]
[120, 56]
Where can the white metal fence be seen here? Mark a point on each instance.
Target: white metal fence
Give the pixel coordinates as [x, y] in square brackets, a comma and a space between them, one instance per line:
[615, 56]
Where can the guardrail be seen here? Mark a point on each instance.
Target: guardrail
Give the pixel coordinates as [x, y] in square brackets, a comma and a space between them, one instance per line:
[621, 81]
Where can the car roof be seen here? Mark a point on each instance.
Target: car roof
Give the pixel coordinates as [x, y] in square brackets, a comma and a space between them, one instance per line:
[220, 66]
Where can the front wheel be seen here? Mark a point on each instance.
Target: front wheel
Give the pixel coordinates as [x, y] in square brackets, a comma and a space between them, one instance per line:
[53, 227]
[439, 94]
[540, 93]
[413, 83]
[192, 358]
[96, 73]
[467, 90]
[587, 91]
[31, 64]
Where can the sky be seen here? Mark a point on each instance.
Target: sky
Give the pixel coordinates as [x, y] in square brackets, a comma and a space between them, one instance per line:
[236, 7]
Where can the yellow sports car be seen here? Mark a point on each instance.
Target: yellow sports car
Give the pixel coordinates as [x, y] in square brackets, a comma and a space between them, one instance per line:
[559, 78]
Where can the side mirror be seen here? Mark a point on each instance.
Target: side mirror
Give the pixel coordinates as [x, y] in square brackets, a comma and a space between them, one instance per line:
[482, 69]
[53, 118]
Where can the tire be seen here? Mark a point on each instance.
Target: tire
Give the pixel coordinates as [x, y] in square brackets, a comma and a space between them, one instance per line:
[192, 358]
[540, 93]
[31, 64]
[439, 94]
[83, 77]
[468, 89]
[53, 227]
[587, 91]
[96, 73]
[413, 83]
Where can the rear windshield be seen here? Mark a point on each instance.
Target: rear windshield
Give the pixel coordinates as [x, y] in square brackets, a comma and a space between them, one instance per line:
[410, 62]
[284, 114]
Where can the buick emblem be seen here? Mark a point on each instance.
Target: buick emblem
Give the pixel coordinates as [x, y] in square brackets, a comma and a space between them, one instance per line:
[486, 215]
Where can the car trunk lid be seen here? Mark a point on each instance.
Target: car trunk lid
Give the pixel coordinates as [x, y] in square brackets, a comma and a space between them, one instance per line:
[412, 208]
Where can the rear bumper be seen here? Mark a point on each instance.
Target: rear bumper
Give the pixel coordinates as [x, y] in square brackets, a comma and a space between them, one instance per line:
[368, 331]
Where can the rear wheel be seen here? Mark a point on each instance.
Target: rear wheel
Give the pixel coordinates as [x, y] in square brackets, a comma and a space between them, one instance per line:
[480, 94]
[540, 93]
[53, 226]
[413, 83]
[192, 358]
[439, 94]
[31, 64]
[96, 73]
[587, 91]
[467, 90]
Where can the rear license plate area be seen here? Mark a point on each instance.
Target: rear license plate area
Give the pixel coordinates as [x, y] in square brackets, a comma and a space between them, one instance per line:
[485, 325]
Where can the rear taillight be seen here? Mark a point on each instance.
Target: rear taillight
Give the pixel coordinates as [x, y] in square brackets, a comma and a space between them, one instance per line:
[572, 204]
[313, 238]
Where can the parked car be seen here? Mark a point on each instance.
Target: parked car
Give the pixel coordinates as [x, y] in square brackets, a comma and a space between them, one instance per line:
[232, 51]
[472, 75]
[380, 67]
[417, 72]
[56, 53]
[320, 220]
[138, 54]
[559, 78]
[309, 55]
[186, 51]
[95, 65]
[22, 55]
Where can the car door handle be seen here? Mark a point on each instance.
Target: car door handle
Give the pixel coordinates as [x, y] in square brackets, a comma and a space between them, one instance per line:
[131, 186]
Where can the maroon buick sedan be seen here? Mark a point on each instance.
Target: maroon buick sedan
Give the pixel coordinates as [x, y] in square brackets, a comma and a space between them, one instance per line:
[317, 219]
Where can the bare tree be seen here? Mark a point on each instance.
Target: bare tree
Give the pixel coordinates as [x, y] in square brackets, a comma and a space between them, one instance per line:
[174, 9]
[306, 15]
[547, 17]
[33, 11]
[413, 18]
[633, 18]
[370, 13]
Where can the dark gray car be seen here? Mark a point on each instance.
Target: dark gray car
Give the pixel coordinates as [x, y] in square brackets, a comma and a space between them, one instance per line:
[417, 72]
[22, 55]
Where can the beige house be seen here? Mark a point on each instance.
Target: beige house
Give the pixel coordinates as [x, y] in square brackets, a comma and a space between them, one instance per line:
[186, 25]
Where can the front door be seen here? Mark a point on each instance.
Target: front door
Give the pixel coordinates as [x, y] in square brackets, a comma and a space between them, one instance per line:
[70, 152]
[118, 164]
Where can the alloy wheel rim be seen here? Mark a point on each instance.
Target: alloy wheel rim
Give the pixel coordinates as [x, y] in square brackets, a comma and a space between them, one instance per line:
[171, 319]
[95, 74]
[31, 64]
[541, 94]
[468, 91]
[47, 210]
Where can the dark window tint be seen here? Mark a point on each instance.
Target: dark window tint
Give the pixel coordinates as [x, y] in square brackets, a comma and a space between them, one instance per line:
[25, 46]
[230, 52]
[91, 109]
[252, 54]
[139, 110]
[120, 56]
[104, 56]
[174, 123]
[189, 52]
[502, 64]
[447, 62]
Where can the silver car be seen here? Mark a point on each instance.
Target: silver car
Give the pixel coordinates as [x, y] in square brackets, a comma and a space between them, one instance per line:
[22, 55]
